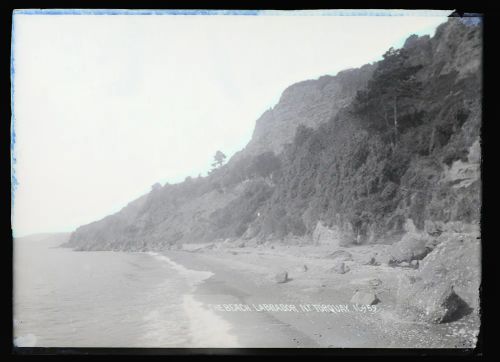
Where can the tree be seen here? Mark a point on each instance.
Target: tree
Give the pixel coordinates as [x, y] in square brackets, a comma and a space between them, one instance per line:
[264, 164]
[219, 159]
[393, 80]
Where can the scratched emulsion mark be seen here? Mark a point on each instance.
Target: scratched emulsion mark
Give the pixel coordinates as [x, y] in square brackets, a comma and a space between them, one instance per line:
[202, 12]
[13, 179]
[318, 12]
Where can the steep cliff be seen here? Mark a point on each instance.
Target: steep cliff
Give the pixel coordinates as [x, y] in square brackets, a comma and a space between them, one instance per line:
[309, 103]
[336, 151]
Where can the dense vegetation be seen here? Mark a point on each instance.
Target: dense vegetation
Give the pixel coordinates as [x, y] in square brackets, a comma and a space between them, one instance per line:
[399, 142]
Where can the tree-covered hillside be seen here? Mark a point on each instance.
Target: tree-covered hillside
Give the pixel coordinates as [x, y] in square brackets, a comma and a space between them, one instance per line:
[361, 153]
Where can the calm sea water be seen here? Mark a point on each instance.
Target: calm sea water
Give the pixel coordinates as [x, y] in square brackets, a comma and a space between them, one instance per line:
[64, 298]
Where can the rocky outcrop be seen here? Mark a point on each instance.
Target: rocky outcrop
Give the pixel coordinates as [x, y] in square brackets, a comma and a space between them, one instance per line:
[445, 287]
[308, 103]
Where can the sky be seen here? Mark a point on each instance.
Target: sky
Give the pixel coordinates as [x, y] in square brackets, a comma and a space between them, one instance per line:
[107, 105]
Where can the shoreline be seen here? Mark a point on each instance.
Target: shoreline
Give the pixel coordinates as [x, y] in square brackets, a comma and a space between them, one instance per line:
[244, 276]
[251, 329]
[230, 275]
[227, 273]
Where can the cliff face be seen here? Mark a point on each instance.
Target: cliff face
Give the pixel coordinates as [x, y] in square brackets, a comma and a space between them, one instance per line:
[309, 103]
[319, 157]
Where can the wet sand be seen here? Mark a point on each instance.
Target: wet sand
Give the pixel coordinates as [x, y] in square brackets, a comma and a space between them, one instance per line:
[245, 276]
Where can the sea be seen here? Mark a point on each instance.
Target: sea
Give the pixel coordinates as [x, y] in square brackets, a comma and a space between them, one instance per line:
[66, 298]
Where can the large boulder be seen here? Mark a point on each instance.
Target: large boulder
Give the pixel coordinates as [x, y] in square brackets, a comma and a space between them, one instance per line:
[413, 246]
[302, 268]
[433, 228]
[447, 307]
[340, 255]
[281, 277]
[340, 267]
[383, 258]
[366, 298]
[446, 285]
[323, 235]
[475, 152]
[369, 259]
